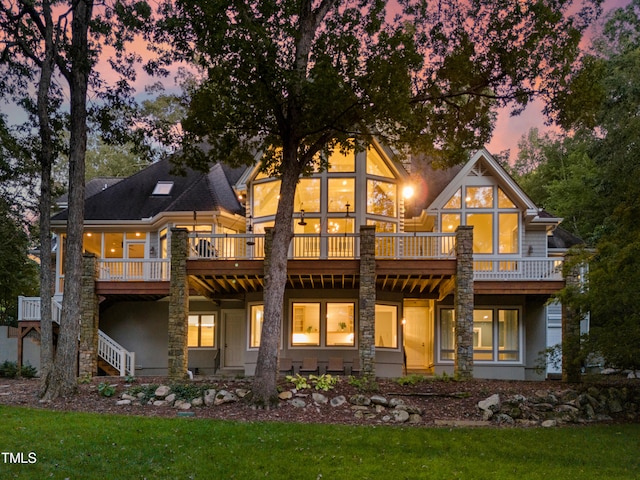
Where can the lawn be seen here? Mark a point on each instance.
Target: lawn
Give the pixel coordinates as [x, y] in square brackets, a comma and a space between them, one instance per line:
[85, 446]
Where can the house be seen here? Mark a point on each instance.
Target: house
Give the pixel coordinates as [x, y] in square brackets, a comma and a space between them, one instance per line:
[367, 256]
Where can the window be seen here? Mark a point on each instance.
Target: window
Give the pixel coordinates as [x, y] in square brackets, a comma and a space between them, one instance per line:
[376, 165]
[447, 334]
[496, 228]
[381, 198]
[508, 337]
[340, 323]
[162, 188]
[496, 334]
[479, 197]
[339, 162]
[305, 330]
[256, 320]
[307, 196]
[321, 323]
[113, 245]
[482, 231]
[265, 198]
[201, 331]
[341, 192]
[386, 326]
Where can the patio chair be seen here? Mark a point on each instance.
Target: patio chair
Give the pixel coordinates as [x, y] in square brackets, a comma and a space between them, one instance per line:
[286, 366]
[336, 365]
[309, 365]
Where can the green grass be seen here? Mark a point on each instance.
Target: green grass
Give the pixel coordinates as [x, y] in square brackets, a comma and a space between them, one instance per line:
[87, 446]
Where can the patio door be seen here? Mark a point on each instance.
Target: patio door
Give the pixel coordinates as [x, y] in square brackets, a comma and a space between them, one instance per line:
[234, 338]
[418, 336]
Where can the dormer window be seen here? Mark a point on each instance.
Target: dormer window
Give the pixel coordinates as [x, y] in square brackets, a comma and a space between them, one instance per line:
[162, 188]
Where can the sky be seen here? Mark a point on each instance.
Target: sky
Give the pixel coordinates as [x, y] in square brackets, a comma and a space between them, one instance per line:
[509, 130]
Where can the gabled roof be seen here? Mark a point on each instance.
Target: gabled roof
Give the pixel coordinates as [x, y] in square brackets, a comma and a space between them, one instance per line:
[443, 184]
[132, 198]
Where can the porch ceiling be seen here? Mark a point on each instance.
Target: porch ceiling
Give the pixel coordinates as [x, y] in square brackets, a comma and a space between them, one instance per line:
[418, 279]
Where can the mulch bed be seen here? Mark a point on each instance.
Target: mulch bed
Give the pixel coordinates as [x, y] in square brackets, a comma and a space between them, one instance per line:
[442, 402]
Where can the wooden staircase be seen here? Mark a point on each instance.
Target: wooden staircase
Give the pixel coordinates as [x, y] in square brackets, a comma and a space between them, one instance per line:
[107, 368]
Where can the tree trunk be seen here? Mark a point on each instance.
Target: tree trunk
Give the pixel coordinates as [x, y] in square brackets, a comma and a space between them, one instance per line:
[265, 391]
[61, 380]
[46, 162]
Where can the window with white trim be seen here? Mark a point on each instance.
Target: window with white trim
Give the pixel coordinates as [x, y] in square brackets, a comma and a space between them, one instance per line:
[496, 334]
[201, 331]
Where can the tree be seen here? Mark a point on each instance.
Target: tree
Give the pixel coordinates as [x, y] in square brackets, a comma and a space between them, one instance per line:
[33, 42]
[598, 175]
[18, 273]
[297, 79]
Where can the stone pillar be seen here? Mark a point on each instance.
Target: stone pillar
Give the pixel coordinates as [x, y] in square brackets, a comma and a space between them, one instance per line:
[463, 299]
[178, 305]
[90, 313]
[367, 300]
[571, 361]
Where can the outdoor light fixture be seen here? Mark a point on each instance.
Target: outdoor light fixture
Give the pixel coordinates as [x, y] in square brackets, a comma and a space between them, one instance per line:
[348, 206]
[250, 231]
[302, 222]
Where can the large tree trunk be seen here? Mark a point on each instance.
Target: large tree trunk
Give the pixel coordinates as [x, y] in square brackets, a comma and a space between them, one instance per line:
[265, 391]
[61, 380]
[46, 162]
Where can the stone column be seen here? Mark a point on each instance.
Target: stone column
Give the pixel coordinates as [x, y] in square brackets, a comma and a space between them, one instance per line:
[463, 299]
[367, 300]
[571, 361]
[178, 305]
[88, 349]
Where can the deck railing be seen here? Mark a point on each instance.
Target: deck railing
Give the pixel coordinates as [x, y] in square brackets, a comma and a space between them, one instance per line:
[133, 269]
[324, 246]
[116, 355]
[526, 269]
[29, 309]
[108, 349]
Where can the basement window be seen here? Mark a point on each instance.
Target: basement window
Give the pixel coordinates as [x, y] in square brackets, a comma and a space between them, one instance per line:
[162, 188]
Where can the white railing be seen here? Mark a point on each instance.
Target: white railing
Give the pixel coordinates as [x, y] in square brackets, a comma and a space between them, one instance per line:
[113, 353]
[228, 247]
[418, 245]
[29, 309]
[116, 355]
[322, 246]
[517, 268]
[133, 269]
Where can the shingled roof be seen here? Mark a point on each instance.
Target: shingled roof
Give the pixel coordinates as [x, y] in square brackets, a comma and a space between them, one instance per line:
[132, 198]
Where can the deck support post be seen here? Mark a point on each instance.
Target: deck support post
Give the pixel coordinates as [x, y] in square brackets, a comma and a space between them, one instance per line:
[178, 305]
[88, 350]
[367, 300]
[463, 299]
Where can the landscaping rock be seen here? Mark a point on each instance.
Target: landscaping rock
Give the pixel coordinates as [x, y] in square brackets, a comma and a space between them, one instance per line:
[286, 395]
[209, 397]
[360, 400]
[491, 404]
[162, 391]
[319, 398]
[338, 401]
[379, 400]
[298, 403]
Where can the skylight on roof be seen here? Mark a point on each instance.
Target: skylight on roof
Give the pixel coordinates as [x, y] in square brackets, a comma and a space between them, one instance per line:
[162, 188]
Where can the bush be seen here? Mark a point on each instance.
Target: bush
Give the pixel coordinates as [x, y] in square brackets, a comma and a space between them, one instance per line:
[28, 371]
[106, 389]
[9, 369]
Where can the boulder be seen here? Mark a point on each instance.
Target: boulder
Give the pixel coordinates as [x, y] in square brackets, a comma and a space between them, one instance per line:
[162, 391]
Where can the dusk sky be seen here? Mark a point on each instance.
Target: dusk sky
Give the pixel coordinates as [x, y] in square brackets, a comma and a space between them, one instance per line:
[509, 130]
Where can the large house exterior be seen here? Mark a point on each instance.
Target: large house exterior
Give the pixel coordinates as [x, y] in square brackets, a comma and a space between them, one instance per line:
[174, 260]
